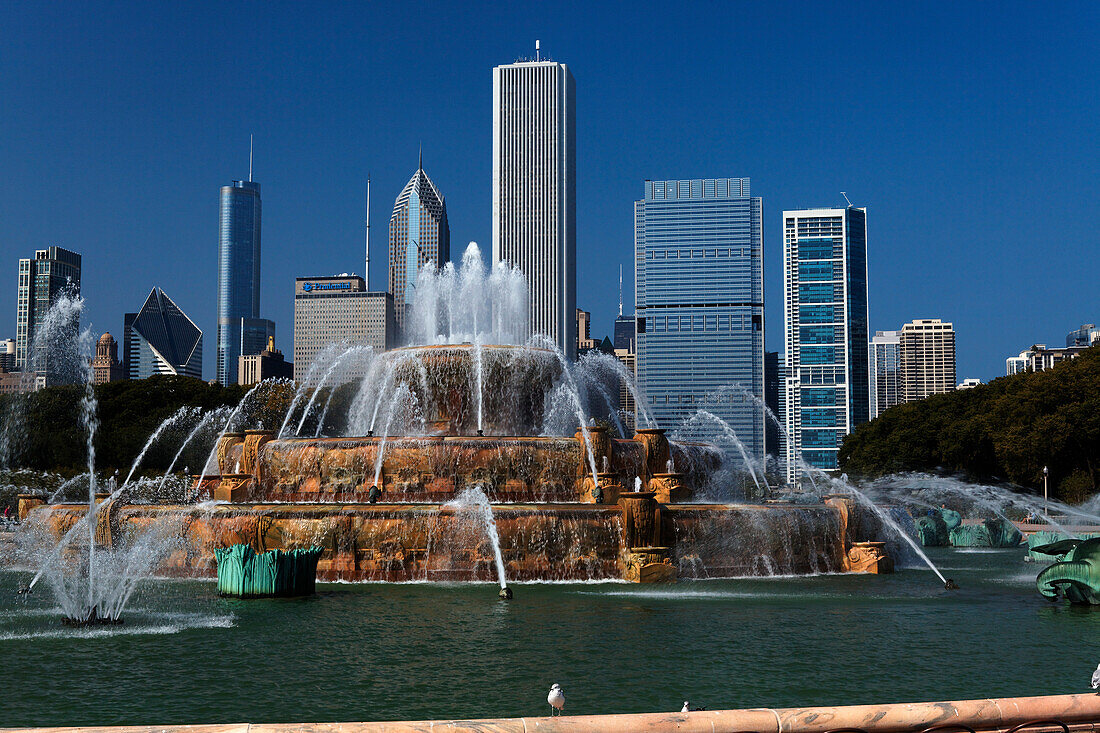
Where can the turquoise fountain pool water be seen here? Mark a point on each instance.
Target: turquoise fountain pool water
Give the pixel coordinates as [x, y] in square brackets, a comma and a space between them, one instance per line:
[383, 651]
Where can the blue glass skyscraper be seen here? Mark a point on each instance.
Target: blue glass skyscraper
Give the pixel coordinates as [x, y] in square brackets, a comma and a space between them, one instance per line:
[825, 289]
[238, 271]
[700, 304]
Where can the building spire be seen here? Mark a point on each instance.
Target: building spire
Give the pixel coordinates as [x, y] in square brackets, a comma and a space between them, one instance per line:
[366, 270]
[620, 290]
[250, 157]
[420, 162]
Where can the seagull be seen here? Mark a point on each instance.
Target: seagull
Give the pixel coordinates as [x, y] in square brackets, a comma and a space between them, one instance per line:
[685, 708]
[1096, 678]
[556, 698]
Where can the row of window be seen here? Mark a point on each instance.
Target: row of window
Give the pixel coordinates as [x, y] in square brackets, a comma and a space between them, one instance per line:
[696, 254]
[715, 323]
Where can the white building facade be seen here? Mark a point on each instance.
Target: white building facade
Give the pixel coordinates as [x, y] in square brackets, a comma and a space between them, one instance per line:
[534, 190]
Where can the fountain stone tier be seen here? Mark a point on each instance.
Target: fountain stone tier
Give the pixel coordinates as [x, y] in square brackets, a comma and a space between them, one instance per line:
[443, 380]
[438, 424]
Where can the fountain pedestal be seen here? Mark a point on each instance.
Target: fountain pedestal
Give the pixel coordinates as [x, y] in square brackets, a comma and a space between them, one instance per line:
[649, 565]
[27, 503]
[668, 488]
[608, 491]
[657, 449]
[868, 557]
[233, 487]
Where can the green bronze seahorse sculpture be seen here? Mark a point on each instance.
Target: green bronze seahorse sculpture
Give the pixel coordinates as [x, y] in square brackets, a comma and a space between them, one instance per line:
[1077, 578]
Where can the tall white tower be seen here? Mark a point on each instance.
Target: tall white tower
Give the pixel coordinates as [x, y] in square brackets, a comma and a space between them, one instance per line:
[535, 189]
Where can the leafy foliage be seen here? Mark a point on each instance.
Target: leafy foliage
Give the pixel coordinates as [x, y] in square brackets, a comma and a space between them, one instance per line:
[48, 433]
[1008, 429]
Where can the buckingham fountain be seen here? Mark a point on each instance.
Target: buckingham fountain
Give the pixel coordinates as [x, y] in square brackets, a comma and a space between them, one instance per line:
[473, 455]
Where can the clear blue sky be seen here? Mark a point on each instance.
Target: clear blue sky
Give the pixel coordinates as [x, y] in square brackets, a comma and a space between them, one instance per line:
[969, 131]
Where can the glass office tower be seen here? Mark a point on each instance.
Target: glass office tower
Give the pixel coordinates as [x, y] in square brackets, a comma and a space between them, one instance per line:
[700, 304]
[238, 271]
[825, 294]
[419, 234]
[884, 371]
[52, 271]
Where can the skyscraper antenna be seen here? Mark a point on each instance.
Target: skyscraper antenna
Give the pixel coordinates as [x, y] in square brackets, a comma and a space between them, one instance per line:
[620, 290]
[846, 198]
[366, 271]
[420, 160]
[250, 157]
[538, 53]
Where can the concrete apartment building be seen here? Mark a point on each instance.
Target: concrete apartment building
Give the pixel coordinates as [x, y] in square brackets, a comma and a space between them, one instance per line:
[927, 358]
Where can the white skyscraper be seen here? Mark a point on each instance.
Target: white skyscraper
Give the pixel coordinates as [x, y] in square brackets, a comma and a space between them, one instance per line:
[534, 189]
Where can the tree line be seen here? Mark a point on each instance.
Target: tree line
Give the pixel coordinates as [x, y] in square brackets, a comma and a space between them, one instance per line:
[1007, 430]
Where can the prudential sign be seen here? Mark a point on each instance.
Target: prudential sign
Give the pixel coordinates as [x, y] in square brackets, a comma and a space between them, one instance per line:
[310, 287]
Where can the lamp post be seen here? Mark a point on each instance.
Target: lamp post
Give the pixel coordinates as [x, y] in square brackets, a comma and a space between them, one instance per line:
[1046, 472]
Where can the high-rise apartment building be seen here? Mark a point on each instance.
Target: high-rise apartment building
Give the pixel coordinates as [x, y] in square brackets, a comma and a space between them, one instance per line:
[927, 358]
[884, 370]
[52, 271]
[825, 331]
[419, 234]
[339, 310]
[7, 355]
[584, 331]
[161, 339]
[1040, 358]
[238, 271]
[535, 190]
[1086, 335]
[700, 303]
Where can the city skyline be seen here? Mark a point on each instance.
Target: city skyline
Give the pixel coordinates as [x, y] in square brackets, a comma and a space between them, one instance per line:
[312, 171]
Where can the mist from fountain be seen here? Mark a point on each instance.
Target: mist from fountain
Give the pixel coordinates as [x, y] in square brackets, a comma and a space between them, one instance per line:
[339, 362]
[474, 503]
[691, 428]
[321, 361]
[210, 462]
[922, 489]
[187, 411]
[405, 399]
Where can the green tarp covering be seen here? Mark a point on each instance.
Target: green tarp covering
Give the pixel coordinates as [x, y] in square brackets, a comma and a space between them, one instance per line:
[244, 573]
[1077, 578]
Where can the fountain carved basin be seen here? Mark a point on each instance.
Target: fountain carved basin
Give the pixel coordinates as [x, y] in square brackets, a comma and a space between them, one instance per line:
[380, 506]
